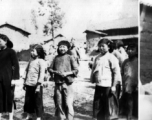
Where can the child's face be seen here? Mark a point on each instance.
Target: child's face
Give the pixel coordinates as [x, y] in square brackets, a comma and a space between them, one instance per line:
[2, 43]
[63, 49]
[103, 48]
[34, 53]
[132, 51]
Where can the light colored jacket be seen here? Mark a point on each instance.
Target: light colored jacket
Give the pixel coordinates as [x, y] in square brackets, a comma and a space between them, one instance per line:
[106, 70]
[35, 72]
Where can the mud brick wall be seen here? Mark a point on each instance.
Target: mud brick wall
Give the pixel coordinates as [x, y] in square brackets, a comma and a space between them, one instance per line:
[146, 49]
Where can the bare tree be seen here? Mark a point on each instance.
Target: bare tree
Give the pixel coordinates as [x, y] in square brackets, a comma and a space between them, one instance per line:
[54, 15]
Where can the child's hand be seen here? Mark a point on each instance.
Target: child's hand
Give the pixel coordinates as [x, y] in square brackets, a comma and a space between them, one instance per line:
[13, 82]
[50, 70]
[64, 74]
[113, 88]
[24, 87]
[37, 89]
[58, 73]
[45, 84]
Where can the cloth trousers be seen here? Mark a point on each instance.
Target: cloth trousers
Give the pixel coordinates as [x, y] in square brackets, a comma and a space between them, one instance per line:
[129, 102]
[33, 101]
[101, 103]
[6, 98]
[63, 98]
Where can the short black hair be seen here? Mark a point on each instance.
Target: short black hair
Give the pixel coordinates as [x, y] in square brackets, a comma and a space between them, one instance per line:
[132, 45]
[117, 44]
[64, 42]
[4, 37]
[107, 42]
[9, 44]
[40, 51]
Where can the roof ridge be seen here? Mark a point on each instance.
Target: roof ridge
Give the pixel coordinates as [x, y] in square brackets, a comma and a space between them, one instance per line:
[146, 2]
[6, 23]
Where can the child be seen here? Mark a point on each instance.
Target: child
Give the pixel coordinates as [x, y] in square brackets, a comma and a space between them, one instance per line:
[106, 75]
[34, 78]
[74, 51]
[9, 72]
[119, 51]
[64, 68]
[130, 81]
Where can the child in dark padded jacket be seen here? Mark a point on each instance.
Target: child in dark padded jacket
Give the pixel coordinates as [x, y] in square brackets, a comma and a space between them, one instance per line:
[129, 99]
[63, 69]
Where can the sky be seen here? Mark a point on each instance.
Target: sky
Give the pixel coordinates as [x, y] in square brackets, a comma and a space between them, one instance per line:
[79, 14]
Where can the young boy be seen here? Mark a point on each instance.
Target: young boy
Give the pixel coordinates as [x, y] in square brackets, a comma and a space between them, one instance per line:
[63, 69]
[130, 81]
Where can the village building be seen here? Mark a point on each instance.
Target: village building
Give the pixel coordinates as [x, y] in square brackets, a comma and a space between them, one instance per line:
[145, 41]
[121, 29]
[20, 39]
[124, 27]
[92, 38]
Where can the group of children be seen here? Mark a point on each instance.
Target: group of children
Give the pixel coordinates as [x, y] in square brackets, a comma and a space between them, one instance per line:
[63, 69]
[116, 91]
[106, 73]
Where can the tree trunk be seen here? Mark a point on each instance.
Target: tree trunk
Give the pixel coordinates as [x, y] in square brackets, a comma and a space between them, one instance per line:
[52, 31]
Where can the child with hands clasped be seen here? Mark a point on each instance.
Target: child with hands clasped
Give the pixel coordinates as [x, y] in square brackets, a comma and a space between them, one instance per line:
[106, 75]
[34, 77]
[63, 69]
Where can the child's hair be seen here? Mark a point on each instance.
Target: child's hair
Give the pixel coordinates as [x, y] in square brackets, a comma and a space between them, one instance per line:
[40, 51]
[117, 44]
[9, 43]
[107, 42]
[133, 45]
[66, 43]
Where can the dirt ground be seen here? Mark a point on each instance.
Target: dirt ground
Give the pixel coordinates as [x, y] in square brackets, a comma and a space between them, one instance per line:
[84, 91]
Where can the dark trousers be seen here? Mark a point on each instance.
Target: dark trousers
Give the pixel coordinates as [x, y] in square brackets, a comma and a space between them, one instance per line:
[33, 101]
[135, 103]
[126, 105]
[129, 103]
[6, 98]
[118, 90]
[101, 103]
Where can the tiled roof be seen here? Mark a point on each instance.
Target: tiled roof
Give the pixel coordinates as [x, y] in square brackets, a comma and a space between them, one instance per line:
[96, 32]
[15, 27]
[121, 37]
[116, 24]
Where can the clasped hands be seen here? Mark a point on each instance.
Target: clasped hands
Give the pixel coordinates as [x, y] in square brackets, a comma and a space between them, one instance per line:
[63, 74]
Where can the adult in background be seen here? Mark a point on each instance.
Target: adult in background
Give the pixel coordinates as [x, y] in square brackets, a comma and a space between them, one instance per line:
[74, 51]
[9, 72]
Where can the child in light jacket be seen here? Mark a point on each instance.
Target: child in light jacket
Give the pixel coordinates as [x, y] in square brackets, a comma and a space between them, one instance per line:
[34, 77]
[106, 75]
